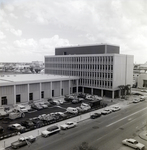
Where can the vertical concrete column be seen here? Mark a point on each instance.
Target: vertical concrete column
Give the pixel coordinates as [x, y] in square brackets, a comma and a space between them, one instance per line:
[60, 88]
[14, 103]
[77, 85]
[69, 88]
[28, 91]
[112, 94]
[51, 90]
[91, 91]
[101, 93]
[40, 90]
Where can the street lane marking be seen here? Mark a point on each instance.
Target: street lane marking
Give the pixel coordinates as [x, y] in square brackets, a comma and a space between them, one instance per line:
[125, 117]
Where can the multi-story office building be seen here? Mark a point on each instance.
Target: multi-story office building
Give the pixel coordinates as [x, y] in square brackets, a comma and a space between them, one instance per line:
[100, 67]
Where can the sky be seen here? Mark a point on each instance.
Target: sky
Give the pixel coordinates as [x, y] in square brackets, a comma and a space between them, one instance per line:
[32, 29]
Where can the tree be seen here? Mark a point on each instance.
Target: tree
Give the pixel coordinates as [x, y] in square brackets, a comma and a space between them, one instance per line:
[85, 146]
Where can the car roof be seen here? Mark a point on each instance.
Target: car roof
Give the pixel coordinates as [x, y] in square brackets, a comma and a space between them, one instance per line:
[132, 140]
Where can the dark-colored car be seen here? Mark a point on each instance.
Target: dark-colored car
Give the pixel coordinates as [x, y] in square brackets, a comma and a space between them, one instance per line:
[16, 127]
[68, 98]
[82, 95]
[36, 106]
[95, 115]
[1, 129]
[37, 122]
[28, 124]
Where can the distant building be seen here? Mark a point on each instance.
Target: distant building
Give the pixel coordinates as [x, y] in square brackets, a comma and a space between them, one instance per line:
[100, 68]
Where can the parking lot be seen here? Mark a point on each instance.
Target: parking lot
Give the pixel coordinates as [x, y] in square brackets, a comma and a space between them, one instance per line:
[49, 110]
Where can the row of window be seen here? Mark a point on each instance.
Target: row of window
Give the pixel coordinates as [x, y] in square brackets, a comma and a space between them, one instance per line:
[80, 59]
[4, 100]
[79, 66]
[96, 83]
[81, 74]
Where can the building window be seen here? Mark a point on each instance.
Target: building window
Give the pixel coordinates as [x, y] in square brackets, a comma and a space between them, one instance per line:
[61, 91]
[4, 100]
[30, 96]
[42, 94]
[18, 98]
[52, 93]
[144, 83]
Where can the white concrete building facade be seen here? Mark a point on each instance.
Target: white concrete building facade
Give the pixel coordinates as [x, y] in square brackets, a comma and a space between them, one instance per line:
[100, 73]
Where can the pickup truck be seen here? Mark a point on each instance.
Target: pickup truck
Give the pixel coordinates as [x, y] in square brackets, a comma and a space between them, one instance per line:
[23, 141]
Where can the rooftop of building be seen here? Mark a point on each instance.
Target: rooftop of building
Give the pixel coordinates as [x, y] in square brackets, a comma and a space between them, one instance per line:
[87, 55]
[31, 78]
[88, 45]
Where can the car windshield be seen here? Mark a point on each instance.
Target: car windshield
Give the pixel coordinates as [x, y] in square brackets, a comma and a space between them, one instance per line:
[69, 123]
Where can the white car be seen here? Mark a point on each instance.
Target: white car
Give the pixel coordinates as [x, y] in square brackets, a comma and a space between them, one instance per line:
[142, 98]
[136, 100]
[50, 130]
[85, 106]
[43, 105]
[106, 111]
[68, 125]
[115, 108]
[134, 144]
[22, 108]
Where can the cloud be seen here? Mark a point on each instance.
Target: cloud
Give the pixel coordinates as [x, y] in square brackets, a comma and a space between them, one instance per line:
[34, 26]
[16, 32]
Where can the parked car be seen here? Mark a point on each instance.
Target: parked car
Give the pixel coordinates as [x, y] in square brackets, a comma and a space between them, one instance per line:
[89, 97]
[1, 129]
[106, 111]
[95, 115]
[82, 95]
[142, 98]
[23, 141]
[69, 98]
[43, 105]
[85, 106]
[28, 124]
[115, 108]
[50, 130]
[75, 101]
[139, 94]
[22, 108]
[136, 100]
[61, 114]
[134, 144]
[72, 110]
[16, 127]
[36, 106]
[80, 110]
[68, 125]
[37, 122]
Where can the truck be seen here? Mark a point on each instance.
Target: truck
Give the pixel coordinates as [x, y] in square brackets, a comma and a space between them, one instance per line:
[16, 113]
[23, 141]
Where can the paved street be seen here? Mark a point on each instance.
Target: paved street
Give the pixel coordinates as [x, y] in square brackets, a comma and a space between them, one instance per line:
[105, 133]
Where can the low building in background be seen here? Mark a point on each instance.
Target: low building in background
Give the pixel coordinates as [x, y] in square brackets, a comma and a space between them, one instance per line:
[15, 89]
